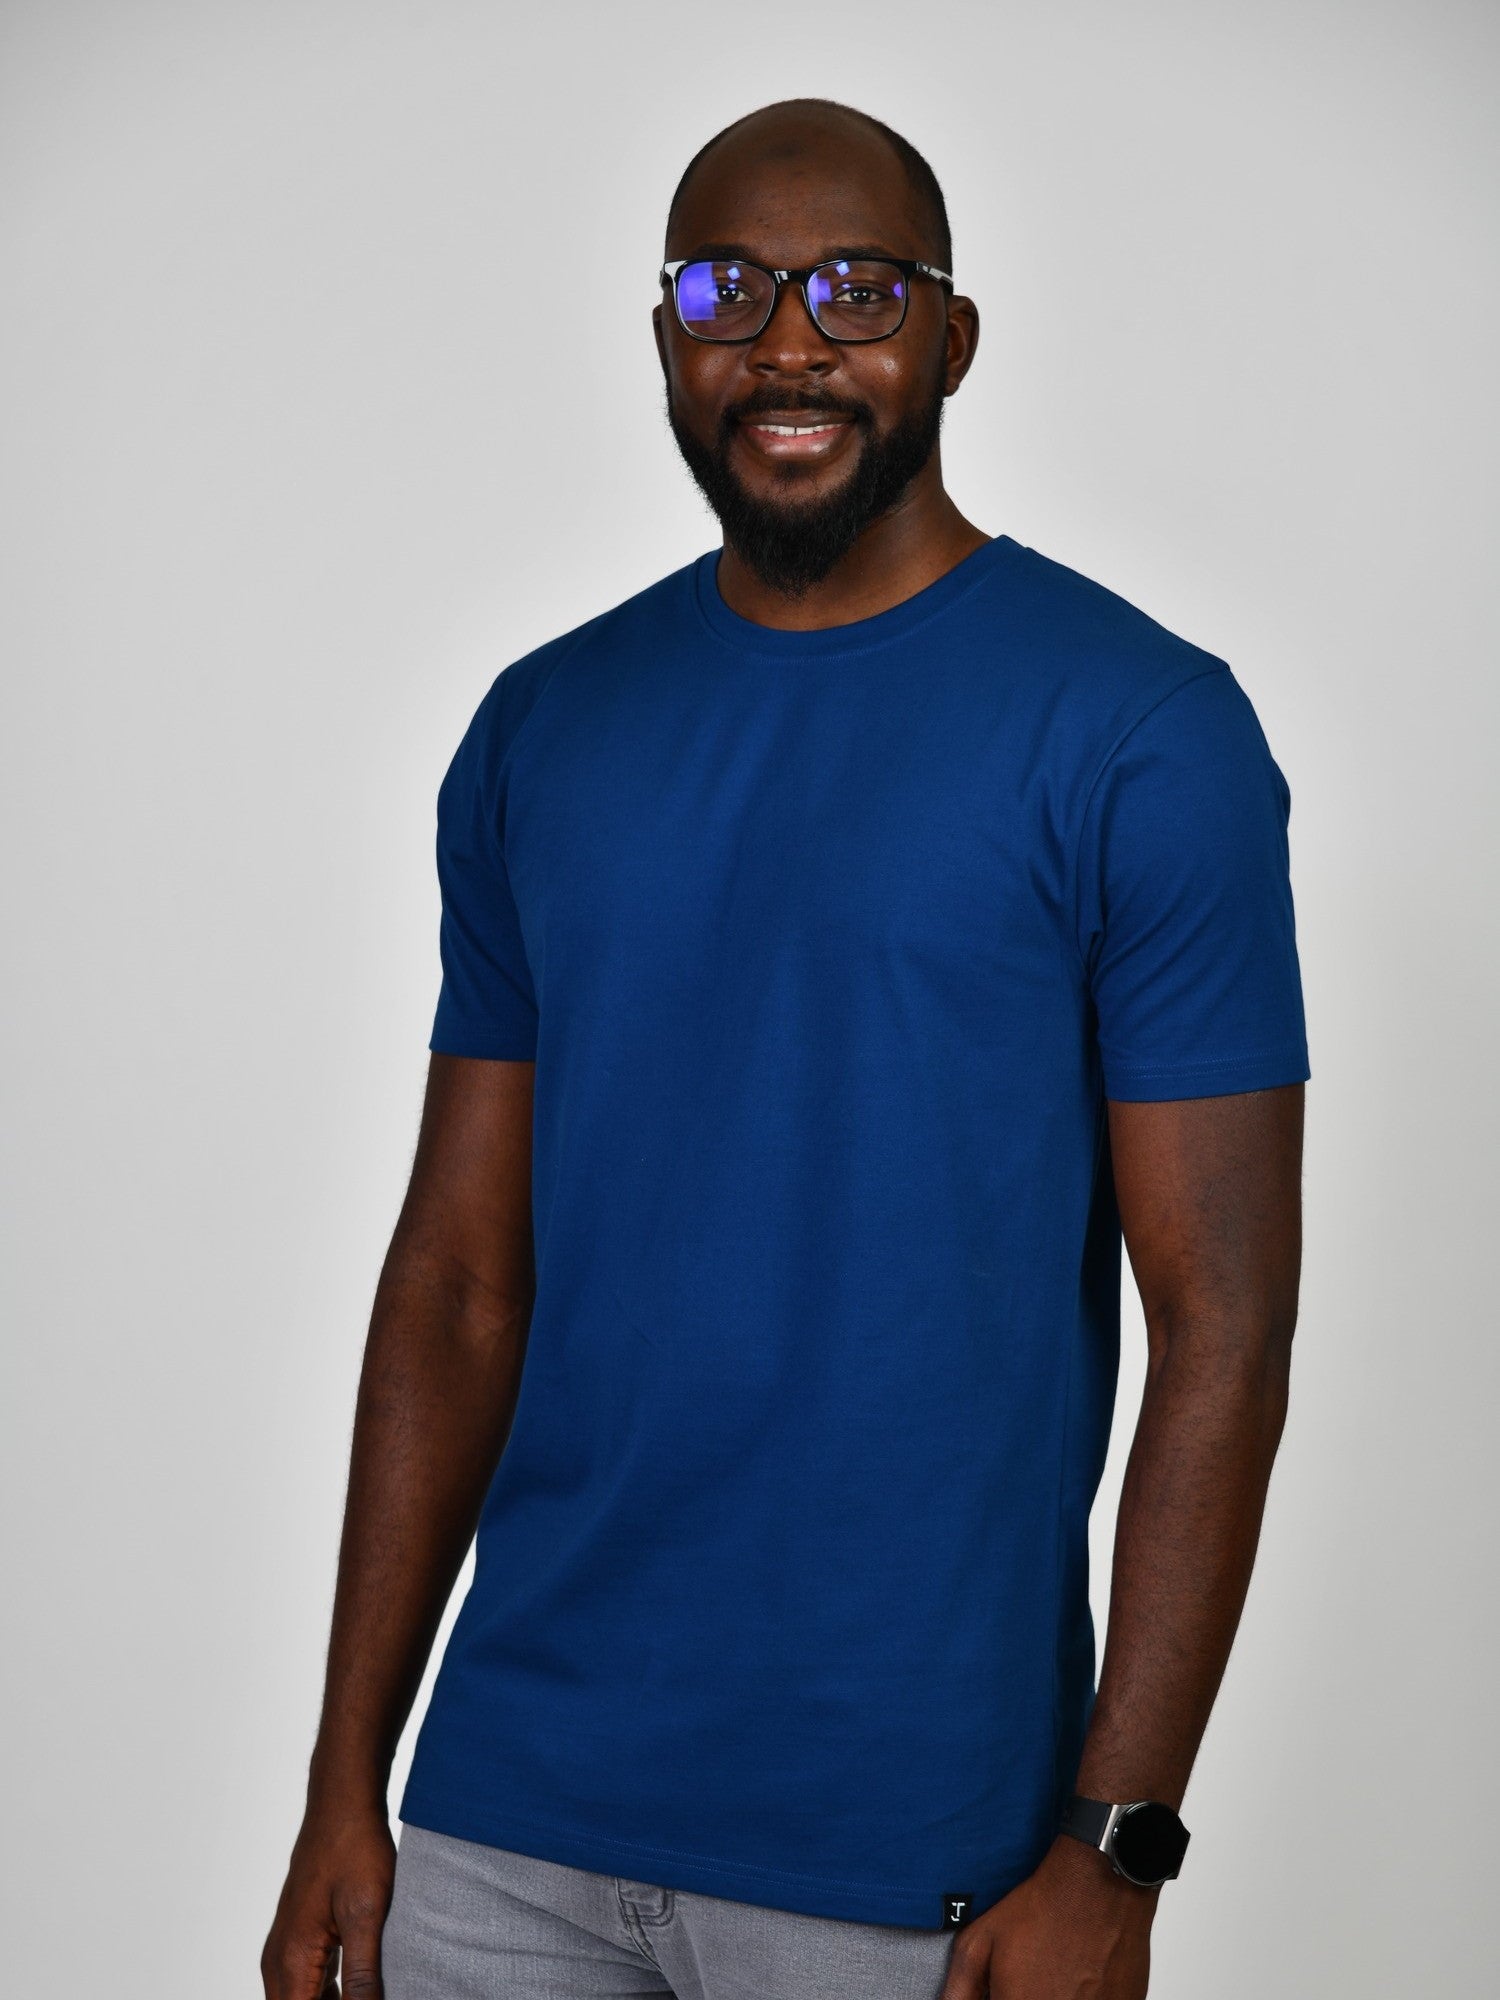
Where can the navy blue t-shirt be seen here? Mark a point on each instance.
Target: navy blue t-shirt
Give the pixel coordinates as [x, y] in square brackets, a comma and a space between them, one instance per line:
[828, 948]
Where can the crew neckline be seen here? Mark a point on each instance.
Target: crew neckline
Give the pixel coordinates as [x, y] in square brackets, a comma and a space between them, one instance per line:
[859, 634]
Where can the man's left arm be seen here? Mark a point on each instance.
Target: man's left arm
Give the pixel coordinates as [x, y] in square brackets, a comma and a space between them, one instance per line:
[1209, 1192]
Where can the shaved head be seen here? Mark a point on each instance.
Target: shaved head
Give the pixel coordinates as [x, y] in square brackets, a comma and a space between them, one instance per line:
[805, 440]
[798, 126]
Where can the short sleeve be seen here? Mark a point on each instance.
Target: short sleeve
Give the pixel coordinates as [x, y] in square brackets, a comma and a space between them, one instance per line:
[487, 1004]
[1184, 903]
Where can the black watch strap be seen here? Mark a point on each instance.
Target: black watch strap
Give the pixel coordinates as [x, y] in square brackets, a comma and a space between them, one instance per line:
[1143, 1839]
[1086, 1820]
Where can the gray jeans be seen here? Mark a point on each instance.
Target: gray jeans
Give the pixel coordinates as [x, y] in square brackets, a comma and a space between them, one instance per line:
[473, 1922]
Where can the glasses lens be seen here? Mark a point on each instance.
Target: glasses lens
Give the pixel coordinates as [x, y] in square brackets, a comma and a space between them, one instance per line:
[860, 300]
[723, 301]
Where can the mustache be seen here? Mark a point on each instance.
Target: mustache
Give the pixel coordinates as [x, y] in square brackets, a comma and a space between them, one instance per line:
[770, 400]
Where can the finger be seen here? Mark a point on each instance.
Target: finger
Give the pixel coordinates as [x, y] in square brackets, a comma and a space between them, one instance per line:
[968, 1968]
[359, 1972]
[299, 1968]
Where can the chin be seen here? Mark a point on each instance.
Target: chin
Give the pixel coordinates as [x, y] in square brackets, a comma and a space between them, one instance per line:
[795, 487]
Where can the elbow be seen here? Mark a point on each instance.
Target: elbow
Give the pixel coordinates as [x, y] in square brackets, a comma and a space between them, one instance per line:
[1238, 1356]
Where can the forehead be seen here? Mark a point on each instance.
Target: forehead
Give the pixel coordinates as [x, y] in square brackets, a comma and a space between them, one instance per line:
[795, 196]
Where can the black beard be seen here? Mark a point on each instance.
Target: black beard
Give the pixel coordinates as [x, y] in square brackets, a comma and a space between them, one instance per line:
[793, 544]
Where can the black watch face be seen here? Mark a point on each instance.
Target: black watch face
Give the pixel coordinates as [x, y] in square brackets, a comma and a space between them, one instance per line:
[1149, 1842]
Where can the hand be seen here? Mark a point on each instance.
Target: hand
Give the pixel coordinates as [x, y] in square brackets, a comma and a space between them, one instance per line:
[326, 1935]
[1072, 1931]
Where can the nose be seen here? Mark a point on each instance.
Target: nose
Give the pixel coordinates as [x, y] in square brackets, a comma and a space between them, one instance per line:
[791, 342]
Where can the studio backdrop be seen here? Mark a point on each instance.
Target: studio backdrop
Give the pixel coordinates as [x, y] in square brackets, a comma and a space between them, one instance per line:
[298, 452]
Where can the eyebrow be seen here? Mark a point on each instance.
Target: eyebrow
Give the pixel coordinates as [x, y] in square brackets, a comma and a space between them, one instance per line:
[718, 251]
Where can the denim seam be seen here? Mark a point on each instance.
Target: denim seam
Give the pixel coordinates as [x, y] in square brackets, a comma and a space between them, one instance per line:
[632, 1920]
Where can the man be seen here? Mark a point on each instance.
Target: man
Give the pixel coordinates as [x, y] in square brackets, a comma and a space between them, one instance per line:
[843, 941]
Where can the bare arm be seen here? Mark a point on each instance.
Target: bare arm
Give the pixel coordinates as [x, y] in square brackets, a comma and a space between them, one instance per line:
[1210, 1202]
[437, 1390]
[1210, 1206]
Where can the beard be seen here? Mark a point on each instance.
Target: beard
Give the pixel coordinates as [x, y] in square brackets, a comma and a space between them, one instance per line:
[789, 543]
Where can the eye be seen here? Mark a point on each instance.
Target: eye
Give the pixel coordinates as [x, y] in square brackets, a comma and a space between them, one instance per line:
[860, 288]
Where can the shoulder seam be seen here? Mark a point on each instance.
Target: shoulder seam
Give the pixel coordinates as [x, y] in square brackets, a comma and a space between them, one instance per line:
[566, 653]
[1118, 742]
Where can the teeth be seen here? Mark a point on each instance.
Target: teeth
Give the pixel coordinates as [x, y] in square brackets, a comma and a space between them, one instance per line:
[796, 430]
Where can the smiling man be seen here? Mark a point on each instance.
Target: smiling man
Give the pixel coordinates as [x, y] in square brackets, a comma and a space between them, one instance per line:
[847, 943]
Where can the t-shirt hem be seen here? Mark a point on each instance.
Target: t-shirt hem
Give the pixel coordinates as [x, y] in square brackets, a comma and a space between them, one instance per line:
[496, 1046]
[1146, 1083]
[676, 1868]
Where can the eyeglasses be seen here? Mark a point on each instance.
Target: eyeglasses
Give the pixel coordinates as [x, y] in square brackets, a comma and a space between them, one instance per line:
[853, 298]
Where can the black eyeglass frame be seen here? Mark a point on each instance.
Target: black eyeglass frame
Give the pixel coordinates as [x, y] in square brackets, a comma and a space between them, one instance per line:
[909, 267]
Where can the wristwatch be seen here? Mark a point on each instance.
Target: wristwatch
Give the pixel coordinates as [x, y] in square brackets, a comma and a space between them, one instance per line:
[1145, 1840]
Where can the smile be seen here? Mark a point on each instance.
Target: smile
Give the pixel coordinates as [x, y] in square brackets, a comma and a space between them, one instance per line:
[796, 430]
[792, 440]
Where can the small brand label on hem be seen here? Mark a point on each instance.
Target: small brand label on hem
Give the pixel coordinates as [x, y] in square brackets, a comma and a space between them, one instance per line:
[957, 1910]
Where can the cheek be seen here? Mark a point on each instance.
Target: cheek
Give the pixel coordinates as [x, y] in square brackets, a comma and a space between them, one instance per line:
[886, 381]
[702, 379]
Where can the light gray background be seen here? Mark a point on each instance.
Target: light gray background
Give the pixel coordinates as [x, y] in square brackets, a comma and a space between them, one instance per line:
[296, 456]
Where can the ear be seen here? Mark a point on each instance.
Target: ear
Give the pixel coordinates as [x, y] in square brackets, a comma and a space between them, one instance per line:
[963, 340]
[661, 343]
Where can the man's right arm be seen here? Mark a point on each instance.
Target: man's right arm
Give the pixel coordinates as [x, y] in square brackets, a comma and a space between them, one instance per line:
[437, 1390]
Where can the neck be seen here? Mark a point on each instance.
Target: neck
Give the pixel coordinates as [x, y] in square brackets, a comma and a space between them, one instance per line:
[918, 540]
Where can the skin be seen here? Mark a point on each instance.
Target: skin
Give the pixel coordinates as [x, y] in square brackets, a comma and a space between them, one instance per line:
[1209, 1192]
[789, 191]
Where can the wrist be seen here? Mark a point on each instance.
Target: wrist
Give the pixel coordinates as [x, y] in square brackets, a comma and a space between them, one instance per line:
[1144, 1839]
[344, 1780]
[1086, 1878]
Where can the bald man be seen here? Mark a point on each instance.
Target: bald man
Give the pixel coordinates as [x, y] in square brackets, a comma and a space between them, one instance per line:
[848, 942]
